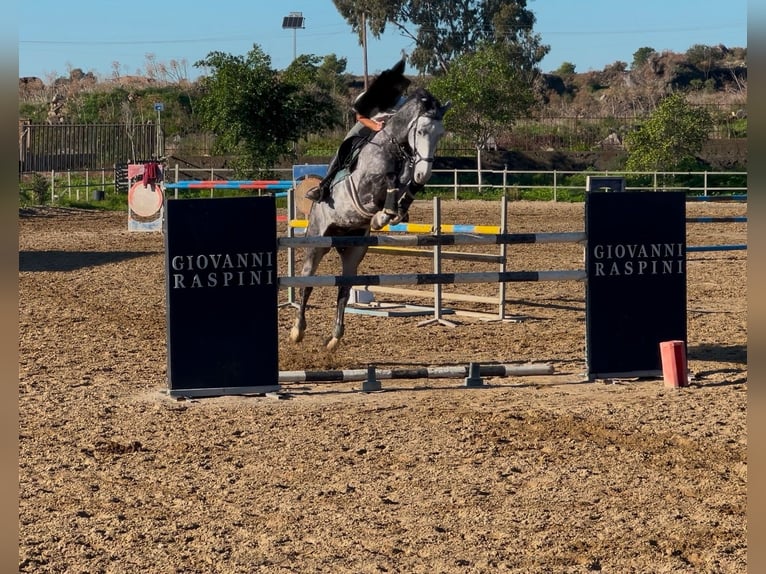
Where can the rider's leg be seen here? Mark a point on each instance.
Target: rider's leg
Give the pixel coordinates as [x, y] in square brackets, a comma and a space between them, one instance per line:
[322, 191]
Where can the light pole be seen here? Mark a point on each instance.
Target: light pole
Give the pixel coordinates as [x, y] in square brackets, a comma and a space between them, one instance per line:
[292, 22]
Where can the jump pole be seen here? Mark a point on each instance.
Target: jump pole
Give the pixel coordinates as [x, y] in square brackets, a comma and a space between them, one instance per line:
[353, 375]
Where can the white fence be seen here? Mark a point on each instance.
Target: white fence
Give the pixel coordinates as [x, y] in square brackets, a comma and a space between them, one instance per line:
[552, 184]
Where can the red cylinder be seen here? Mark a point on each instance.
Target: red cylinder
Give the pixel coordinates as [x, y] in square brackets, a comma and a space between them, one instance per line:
[673, 355]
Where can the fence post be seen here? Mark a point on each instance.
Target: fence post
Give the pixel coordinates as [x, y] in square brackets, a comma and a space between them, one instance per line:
[455, 182]
[555, 182]
[53, 186]
[704, 184]
[176, 181]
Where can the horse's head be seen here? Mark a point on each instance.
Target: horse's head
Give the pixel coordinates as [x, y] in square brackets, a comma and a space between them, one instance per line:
[424, 131]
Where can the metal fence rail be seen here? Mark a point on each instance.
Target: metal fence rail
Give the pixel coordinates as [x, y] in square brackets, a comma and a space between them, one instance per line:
[552, 184]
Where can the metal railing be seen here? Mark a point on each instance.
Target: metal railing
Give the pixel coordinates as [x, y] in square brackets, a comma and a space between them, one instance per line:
[553, 185]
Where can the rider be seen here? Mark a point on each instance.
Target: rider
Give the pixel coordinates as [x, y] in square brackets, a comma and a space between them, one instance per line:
[384, 94]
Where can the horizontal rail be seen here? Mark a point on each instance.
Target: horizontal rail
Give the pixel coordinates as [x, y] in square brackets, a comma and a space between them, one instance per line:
[450, 255]
[431, 240]
[736, 219]
[461, 297]
[730, 197]
[431, 278]
[698, 248]
[413, 373]
[423, 227]
[230, 184]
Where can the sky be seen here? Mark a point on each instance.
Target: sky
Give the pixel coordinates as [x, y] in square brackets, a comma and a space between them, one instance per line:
[55, 37]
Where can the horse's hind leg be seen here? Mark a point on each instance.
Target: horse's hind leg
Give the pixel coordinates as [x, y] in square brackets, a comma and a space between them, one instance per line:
[350, 258]
[313, 257]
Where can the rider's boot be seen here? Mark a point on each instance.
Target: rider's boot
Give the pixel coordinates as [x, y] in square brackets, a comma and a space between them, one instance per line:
[320, 192]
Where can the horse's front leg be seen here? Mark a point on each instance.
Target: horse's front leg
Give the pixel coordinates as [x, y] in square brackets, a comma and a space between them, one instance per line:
[350, 258]
[310, 264]
[389, 211]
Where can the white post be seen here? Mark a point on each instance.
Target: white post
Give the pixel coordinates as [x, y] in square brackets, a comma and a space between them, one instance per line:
[454, 178]
[437, 259]
[53, 186]
[503, 255]
[175, 194]
[437, 318]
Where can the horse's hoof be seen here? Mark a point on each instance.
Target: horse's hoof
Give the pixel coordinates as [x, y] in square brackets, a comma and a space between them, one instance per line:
[400, 217]
[379, 221]
[296, 335]
[332, 344]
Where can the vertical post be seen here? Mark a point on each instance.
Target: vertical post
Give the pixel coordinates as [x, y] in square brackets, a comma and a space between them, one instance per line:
[454, 178]
[554, 185]
[175, 194]
[704, 185]
[157, 135]
[87, 186]
[103, 181]
[69, 185]
[437, 318]
[364, 50]
[503, 254]
[291, 215]
[437, 258]
[53, 186]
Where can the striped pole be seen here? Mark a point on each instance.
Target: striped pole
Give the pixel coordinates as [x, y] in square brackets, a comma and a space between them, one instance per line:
[698, 248]
[431, 240]
[424, 227]
[430, 278]
[452, 255]
[231, 184]
[414, 373]
[730, 197]
[736, 219]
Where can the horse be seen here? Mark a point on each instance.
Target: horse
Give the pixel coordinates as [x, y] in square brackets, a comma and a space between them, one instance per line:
[393, 164]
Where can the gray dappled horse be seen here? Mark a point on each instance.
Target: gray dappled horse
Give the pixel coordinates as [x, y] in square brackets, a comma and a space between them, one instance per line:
[400, 154]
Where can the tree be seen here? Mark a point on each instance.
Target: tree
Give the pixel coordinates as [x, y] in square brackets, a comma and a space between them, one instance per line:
[670, 138]
[488, 92]
[256, 112]
[705, 58]
[441, 31]
[641, 55]
[565, 69]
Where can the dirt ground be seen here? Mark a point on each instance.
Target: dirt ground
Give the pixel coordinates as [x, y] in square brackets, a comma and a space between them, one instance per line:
[528, 474]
